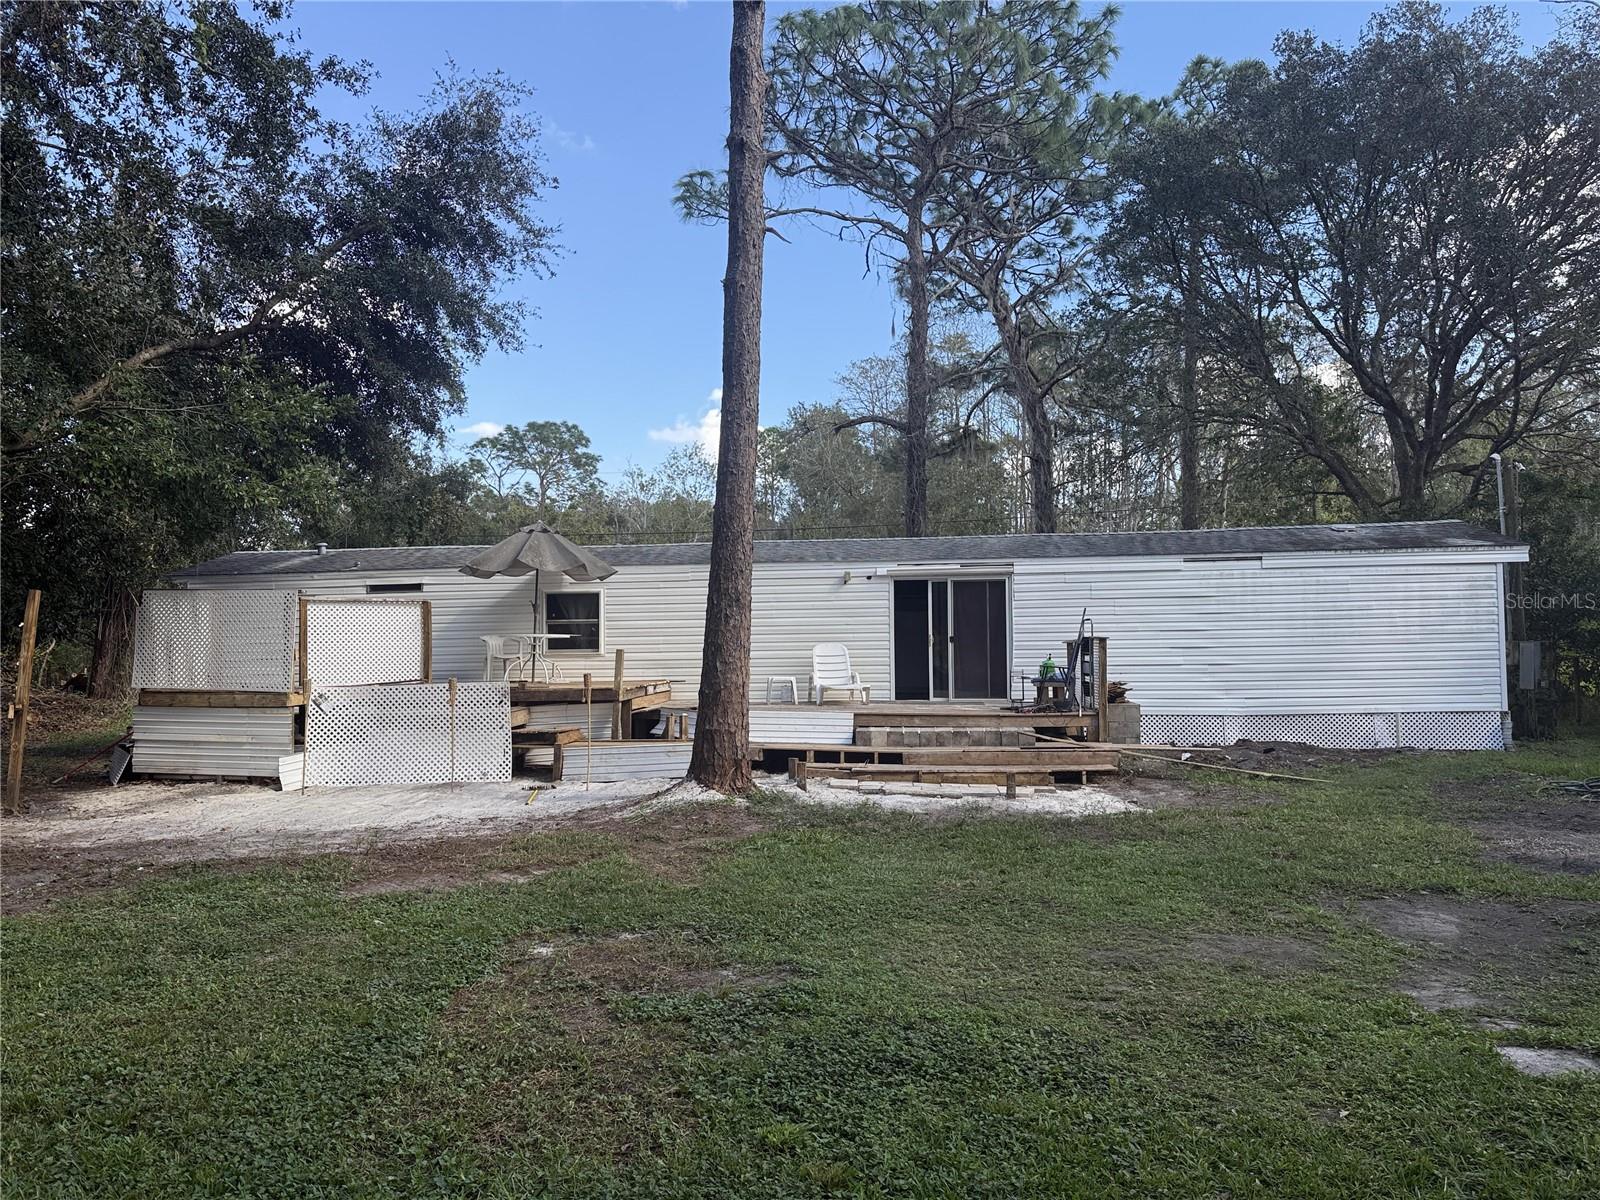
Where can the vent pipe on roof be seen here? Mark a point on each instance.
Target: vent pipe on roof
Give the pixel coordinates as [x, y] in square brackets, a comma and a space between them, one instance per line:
[322, 547]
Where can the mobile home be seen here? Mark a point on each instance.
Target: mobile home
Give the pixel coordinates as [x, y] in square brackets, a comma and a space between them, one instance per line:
[1338, 635]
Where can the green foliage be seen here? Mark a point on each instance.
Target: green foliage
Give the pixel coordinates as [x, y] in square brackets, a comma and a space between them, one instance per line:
[1395, 241]
[546, 463]
[988, 1006]
[223, 307]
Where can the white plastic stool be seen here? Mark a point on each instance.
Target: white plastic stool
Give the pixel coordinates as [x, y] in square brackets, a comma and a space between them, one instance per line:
[779, 681]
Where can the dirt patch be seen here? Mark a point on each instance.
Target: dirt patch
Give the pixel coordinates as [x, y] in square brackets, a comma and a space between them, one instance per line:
[678, 842]
[1544, 1064]
[1481, 955]
[1171, 789]
[1272, 955]
[580, 983]
[1289, 757]
[436, 881]
[34, 877]
[1521, 821]
[589, 1026]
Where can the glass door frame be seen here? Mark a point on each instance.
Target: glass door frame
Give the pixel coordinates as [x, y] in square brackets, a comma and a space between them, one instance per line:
[949, 581]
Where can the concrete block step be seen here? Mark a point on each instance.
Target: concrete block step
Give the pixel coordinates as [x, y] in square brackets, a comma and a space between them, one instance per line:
[1053, 758]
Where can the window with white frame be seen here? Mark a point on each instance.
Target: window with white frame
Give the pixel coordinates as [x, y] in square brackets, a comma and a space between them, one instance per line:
[576, 614]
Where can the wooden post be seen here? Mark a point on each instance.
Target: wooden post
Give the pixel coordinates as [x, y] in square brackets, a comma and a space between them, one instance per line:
[305, 685]
[588, 728]
[427, 641]
[305, 746]
[618, 734]
[453, 690]
[19, 702]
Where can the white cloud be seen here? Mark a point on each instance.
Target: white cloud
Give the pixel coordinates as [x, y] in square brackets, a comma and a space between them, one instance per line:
[569, 139]
[704, 431]
[482, 429]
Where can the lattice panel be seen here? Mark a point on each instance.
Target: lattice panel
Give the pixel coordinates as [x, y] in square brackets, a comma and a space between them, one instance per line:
[1180, 729]
[1452, 731]
[228, 641]
[1339, 730]
[364, 641]
[404, 733]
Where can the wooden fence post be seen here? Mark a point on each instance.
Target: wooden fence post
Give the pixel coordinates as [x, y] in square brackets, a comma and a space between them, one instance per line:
[617, 733]
[452, 691]
[588, 728]
[22, 693]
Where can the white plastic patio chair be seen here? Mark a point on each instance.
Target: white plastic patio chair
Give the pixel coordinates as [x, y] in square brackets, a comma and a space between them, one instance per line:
[512, 652]
[830, 672]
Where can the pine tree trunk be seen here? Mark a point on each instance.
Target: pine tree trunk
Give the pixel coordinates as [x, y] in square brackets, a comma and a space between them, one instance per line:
[1041, 434]
[113, 639]
[1041, 458]
[721, 755]
[1189, 399]
[918, 390]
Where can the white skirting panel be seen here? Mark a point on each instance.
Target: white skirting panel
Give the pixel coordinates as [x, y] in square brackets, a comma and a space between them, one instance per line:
[607, 762]
[1335, 730]
[596, 718]
[787, 724]
[408, 733]
[211, 742]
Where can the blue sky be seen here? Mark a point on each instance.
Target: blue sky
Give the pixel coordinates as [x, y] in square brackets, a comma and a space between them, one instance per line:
[628, 338]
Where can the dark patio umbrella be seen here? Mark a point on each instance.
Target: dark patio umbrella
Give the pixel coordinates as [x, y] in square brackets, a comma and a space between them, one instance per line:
[535, 548]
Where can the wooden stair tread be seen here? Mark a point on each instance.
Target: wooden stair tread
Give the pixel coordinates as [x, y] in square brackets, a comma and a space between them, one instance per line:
[547, 737]
[993, 756]
[1105, 764]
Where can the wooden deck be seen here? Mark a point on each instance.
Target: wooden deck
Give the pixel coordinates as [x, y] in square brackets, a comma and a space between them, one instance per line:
[641, 693]
[766, 718]
[164, 698]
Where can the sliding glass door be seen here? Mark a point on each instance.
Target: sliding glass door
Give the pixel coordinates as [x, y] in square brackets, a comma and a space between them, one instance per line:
[950, 639]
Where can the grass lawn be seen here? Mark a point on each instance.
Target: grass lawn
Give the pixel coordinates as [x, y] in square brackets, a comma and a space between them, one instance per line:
[788, 1002]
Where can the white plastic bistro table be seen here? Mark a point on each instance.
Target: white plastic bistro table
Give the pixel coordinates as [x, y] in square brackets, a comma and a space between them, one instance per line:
[541, 654]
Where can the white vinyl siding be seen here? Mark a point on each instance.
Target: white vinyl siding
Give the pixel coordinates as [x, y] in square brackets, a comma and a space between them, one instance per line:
[1402, 631]
[1375, 633]
[655, 615]
[210, 742]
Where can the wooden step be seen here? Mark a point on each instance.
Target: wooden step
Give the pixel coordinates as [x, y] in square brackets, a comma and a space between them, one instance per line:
[933, 771]
[802, 772]
[565, 736]
[1046, 759]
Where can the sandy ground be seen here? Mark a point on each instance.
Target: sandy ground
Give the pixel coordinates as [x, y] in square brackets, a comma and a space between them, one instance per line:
[934, 798]
[229, 820]
[240, 821]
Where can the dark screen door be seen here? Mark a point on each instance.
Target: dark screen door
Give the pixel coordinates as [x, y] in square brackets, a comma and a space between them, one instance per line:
[979, 638]
[911, 631]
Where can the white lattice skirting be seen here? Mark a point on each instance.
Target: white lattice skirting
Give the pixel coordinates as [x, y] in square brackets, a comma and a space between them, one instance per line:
[216, 641]
[1340, 730]
[365, 641]
[408, 733]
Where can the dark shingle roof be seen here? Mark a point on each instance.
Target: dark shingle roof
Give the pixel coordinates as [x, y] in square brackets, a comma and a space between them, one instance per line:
[1285, 539]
